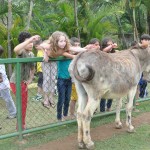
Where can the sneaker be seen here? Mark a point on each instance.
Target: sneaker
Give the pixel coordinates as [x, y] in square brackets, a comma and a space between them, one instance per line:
[11, 117]
[37, 98]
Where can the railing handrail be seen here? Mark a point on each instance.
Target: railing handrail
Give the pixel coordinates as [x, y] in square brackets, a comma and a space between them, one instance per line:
[24, 60]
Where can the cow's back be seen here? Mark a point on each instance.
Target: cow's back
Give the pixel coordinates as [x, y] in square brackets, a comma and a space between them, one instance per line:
[114, 74]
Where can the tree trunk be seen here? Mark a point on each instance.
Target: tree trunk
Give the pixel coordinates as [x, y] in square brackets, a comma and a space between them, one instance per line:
[134, 22]
[9, 25]
[76, 18]
[148, 20]
[122, 32]
[30, 14]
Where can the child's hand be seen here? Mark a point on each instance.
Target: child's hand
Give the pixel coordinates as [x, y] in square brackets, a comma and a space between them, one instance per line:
[114, 45]
[35, 38]
[45, 57]
[92, 46]
[89, 46]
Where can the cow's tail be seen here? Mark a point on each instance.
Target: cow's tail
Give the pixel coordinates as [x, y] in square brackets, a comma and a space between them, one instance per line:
[83, 72]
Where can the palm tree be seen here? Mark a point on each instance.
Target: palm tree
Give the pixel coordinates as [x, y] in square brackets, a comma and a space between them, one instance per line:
[147, 5]
[76, 18]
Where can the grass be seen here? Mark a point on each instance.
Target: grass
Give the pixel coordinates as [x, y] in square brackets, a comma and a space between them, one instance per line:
[136, 141]
[37, 116]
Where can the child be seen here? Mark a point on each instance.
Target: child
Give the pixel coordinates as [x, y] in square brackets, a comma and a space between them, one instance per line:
[145, 41]
[59, 45]
[93, 44]
[39, 49]
[49, 69]
[76, 43]
[53, 51]
[108, 46]
[5, 90]
[23, 50]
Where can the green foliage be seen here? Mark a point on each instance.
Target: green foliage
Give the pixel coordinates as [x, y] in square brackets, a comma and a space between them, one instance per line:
[96, 19]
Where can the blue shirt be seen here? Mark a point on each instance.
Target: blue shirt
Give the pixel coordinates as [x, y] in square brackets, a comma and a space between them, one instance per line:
[63, 66]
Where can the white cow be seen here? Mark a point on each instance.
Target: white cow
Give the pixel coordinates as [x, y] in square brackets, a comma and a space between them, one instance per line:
[101, 75]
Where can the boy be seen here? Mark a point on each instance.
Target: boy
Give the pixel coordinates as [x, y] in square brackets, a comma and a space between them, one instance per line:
[23, 50]
[76, 43]
[145, 41]
[38, 97]
[5, 90]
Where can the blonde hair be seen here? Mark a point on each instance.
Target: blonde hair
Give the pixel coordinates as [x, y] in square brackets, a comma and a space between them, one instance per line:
[53, 41]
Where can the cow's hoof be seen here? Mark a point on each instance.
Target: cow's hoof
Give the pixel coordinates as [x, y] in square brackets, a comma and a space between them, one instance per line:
[119, 126]
[90, 146]
[131, 130]
[81, 145]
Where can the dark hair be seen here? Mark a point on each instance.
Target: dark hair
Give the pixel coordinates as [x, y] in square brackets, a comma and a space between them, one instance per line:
[1, 50]
[23, 35]
[73, 40]
[104, 44]
[94, 40]
[145, 37]
[134, 43]
[38, 42]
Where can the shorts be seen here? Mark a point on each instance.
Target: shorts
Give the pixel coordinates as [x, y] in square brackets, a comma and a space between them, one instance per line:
[74, 95]
[40, 79]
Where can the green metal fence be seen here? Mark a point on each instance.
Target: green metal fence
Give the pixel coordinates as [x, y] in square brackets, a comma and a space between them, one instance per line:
[37, 116]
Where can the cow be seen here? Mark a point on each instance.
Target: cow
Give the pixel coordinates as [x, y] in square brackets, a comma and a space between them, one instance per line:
[107, 75]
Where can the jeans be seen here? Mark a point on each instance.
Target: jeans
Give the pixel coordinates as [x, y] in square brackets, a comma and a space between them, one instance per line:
[64, 87]
[142, 86]
[103, 104]
[5, 94]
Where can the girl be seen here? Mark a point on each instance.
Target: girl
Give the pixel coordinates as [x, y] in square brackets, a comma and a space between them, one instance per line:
[108, 45]
[93, 44]
[51, 48]
[59, 45]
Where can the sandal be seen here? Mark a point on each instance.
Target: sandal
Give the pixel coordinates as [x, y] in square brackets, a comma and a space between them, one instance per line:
[52, 104]
[46, 105]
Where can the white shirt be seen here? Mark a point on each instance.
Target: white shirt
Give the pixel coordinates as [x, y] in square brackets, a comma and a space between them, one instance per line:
[5, 84]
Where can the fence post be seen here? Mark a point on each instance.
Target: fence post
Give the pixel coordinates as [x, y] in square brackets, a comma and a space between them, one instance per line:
[19, 100]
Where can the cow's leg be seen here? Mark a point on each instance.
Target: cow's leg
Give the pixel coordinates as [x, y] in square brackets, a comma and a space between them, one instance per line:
[117, 120]
[82, 101]
[129, 108]
[87, 114]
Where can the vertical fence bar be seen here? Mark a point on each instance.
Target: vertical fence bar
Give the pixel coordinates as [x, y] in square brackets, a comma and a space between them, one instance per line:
[18, 99]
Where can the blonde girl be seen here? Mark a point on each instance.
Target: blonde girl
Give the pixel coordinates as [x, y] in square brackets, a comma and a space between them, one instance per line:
[57, 45]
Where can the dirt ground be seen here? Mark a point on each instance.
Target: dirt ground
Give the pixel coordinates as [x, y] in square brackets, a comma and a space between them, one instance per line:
[97, 134]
